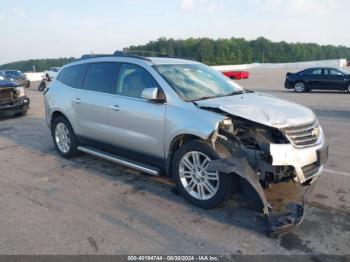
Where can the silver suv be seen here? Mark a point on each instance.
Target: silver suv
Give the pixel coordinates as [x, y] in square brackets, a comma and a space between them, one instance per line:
[182, 119]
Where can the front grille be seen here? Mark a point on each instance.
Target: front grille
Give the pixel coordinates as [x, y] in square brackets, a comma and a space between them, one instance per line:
[6, 95]
[304, 135]
[310, 170]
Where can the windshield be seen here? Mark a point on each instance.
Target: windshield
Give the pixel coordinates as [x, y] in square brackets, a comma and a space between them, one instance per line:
[197, 81]
[13, 73]
[344, 71]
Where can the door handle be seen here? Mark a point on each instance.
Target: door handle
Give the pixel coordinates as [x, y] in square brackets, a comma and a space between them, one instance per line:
[115, 108]
[77, 100]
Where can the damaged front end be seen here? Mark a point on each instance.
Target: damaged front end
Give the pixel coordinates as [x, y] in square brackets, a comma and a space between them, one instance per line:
[250, 157]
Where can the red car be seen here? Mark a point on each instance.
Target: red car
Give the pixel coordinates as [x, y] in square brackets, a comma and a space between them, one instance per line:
[237, 74]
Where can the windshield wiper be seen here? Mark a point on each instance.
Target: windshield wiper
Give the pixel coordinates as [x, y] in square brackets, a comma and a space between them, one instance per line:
[229, 94]
[203, 98]
[237, 93]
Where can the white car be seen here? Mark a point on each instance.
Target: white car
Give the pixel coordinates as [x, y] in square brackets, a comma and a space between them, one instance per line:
[52, 73]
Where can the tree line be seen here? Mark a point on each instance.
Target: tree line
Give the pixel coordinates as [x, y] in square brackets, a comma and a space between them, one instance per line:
[39, 65]
[241, 51]
[215, 52]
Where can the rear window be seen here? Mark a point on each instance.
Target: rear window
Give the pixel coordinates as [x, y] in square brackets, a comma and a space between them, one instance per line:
[312, 72]
[101, 77]
[72, 76]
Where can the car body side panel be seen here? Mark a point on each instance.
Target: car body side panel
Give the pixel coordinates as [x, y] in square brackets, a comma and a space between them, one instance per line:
[59, 99]
[92, 111]
[198, 122]
[335, 82]
[137, 125]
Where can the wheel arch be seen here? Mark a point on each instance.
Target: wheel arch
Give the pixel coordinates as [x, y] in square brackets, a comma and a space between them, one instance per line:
[58, 113]
[298, 80]
[174, 145]
[179, 140]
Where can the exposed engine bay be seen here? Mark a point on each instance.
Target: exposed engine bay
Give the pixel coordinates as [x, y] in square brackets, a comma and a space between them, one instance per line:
[252, 141]
[249, 157]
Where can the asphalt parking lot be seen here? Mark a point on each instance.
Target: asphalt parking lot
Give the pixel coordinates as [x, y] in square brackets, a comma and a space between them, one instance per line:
[50, 205]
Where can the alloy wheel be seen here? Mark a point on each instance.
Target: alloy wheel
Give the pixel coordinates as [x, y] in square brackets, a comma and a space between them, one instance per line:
[197, 181]
[299, 87]
[62, 138]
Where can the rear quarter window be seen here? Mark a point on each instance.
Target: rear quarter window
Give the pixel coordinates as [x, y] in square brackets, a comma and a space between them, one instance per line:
[73, 76]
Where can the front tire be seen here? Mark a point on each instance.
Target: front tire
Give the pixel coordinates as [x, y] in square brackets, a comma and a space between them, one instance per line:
[198, 186]
[348, 89]
[22, 113]
[64, 138]
[300, 87]
[42, 87]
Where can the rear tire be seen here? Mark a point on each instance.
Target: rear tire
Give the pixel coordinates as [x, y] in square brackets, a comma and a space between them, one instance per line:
[201, 188]
[348, 89]
[300, 87]
[64, 138]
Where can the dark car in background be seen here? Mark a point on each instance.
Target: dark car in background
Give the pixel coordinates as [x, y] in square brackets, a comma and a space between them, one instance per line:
[319, 78]
[16, 76]
[13, 97]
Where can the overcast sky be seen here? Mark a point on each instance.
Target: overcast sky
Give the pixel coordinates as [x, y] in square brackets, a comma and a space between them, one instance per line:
[62, 28]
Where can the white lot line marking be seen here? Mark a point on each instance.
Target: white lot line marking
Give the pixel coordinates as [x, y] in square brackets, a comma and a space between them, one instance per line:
[336, 172]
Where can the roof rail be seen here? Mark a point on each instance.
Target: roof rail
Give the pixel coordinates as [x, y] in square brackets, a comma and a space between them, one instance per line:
[93, 56]
[116, 54]
[126, 54]
[158, 54]
[148, 53]
[132, 54]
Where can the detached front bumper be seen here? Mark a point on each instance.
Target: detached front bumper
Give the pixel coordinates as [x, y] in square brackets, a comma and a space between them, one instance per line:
[307, 162]
[280, 220]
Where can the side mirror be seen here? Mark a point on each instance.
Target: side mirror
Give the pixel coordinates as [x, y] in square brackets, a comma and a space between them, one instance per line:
[151, 94]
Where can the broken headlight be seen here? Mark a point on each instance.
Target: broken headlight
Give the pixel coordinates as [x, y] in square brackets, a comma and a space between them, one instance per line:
[20, 91]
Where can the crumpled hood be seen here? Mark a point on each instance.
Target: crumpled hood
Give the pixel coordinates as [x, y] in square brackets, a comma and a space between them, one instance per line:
[261, 108]
[4, 83]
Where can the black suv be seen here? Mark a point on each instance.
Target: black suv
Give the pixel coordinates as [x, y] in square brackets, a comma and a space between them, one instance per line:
[13, 98]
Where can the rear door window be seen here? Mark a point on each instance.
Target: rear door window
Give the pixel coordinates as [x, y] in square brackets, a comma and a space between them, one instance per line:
[102, 78]
[72, 76]
[313, 72]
